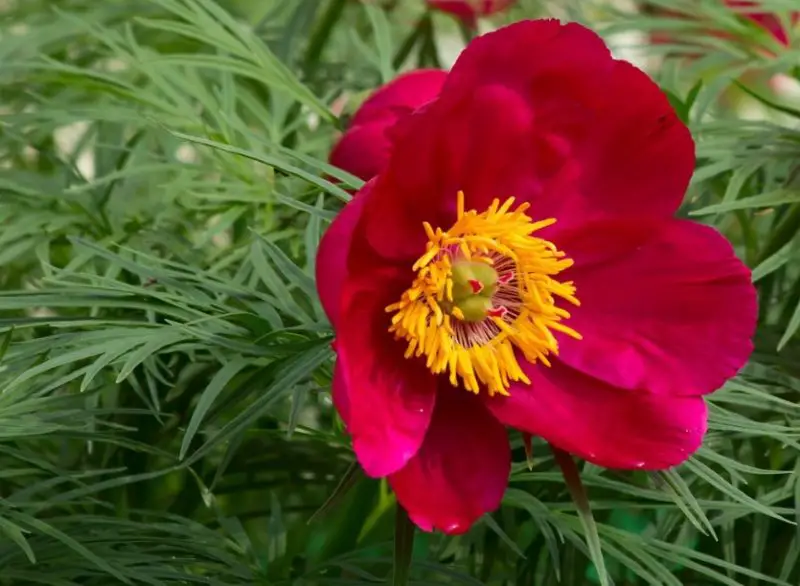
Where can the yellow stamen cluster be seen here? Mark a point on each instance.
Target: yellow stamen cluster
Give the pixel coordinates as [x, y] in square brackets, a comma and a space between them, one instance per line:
[485, 351]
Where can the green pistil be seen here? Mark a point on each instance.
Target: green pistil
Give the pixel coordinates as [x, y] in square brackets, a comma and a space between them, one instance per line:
[474, 284]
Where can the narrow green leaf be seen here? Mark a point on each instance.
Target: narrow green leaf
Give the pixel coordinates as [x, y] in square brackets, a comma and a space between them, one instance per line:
[311, 237]
[264, 271]
[290, 271]
[774, 262]
[304, 207]
[346, 179]
[768, 102]
[765, 200]
[727, 488]
[687, 503]
[115, 350]
[791, 328]
[69, 542]
[160, 341]
[351, 476]
[270, 160]
[207, 398]
[15, 534]
[6, 342]
[291, 372]
[492, 524]
[382, 37]
[298, 402]
[542, 516]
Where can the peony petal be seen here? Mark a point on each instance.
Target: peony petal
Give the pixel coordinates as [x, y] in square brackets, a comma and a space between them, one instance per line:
[385, 399]
[666, 306]
[363, 150]
[331, 261]
[469, 10]
[768, 20]
[479, 135]
[532, 111]
[637, 160]
[461, 470]
[609, 156]
[607, 426]
[405, 93]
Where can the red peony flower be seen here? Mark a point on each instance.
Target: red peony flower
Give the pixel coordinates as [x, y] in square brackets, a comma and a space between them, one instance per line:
[517, 263]
[468, 11]
[363, 149]
[767, 20]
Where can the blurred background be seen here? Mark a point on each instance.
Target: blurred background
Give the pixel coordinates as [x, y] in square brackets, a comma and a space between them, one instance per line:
[165, 367]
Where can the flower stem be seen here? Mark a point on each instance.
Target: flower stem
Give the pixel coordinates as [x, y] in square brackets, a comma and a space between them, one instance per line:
[408, 45]
[573, 479]
[403, 547]
[428, 54]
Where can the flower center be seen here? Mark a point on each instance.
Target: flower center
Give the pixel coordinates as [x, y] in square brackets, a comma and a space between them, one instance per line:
[484, 296]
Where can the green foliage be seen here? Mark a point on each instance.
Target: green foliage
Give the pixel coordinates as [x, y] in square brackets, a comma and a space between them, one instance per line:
[164, 407]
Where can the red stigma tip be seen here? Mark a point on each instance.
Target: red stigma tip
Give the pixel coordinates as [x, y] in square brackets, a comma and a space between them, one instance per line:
[505, 278]
[476, 285]
[498, 311]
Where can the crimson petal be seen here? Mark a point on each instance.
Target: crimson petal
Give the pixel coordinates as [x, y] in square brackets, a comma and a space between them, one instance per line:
[532, 111]
[331, 262]
[385, 399]
[666, 306]
[364, 148]
[608, 426]
[461, 470]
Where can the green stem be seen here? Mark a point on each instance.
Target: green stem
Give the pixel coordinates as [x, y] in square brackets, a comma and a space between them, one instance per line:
[428, 54]
[408, 45]
[403, 547]
[572, 477]
[467, 32]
